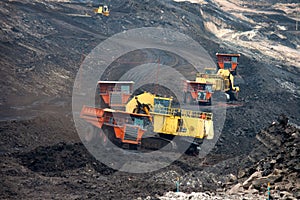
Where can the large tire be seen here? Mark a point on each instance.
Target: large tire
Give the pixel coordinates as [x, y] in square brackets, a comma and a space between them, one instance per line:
[105, 138]
[209, 102]
[184, 97]
[149, 132]
[133, 147]
[89, 133]
[232, 95]
[93, 137]
[205, 103]
[109, 139]
[188, 98]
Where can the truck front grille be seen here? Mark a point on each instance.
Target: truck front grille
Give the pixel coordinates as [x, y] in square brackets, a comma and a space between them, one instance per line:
[131, 133]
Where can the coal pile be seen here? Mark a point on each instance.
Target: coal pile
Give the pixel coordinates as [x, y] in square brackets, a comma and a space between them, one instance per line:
[274, 161]
[61, 157]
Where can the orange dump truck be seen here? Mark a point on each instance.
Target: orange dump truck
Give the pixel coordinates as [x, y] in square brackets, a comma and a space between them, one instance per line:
[228, 61]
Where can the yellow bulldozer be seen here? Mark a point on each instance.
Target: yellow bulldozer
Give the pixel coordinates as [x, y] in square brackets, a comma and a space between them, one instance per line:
[103, 10]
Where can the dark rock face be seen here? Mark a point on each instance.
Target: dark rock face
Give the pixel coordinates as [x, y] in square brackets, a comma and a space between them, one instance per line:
[275, 161]
[283, 120]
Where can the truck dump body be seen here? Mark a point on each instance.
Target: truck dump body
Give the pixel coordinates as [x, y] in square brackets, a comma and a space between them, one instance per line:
[228, 61]
[128, 127]
[115, 93]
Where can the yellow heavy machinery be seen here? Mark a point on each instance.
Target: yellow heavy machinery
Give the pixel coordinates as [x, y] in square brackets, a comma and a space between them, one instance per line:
[222, 81]
[172, 121]
[102, 9]
[146, 120]
[228, 61]
[203, 87]
[201, 90]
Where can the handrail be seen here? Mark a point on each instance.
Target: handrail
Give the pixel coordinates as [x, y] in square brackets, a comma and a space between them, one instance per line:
[183, 112]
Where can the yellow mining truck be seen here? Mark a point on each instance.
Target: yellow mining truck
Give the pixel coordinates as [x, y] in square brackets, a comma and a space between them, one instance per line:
[146, 120]
[228, 61]
[222, 81]
[202, 88]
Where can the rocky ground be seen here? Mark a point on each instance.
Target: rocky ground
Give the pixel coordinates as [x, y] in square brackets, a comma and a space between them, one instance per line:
[42, 46]
[273, 161]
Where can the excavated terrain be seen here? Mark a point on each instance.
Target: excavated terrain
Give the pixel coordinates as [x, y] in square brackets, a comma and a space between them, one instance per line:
[42, 46]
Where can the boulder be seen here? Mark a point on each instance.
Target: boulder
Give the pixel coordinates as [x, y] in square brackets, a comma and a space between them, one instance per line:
[248, 182]
[241, 174]
[286, 195]
[235, 189]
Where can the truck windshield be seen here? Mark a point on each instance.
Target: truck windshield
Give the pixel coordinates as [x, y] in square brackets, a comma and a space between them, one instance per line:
[161, 105]
[208, 88]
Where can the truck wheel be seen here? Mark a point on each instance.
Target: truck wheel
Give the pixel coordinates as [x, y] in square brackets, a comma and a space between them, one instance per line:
[109, 139]
[209, 102]
[232, 96]
[188, 98]
[133, 147]
[105, 136]
[90, 133]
